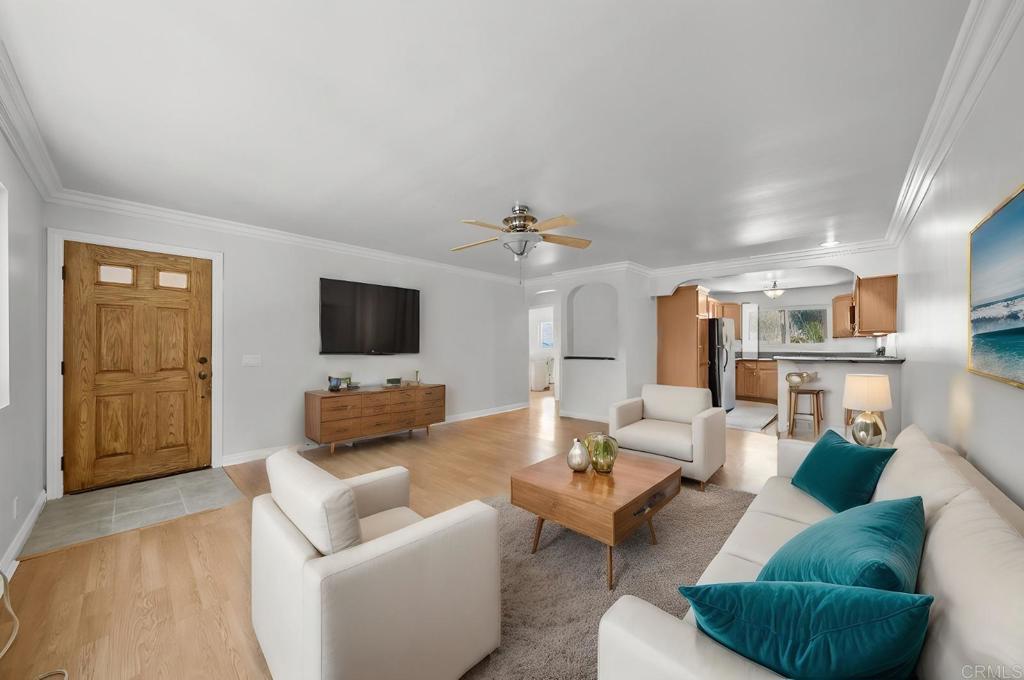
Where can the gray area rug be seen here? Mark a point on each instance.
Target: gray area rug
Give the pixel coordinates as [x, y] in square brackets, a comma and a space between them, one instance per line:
[751, 416]
[553, 601]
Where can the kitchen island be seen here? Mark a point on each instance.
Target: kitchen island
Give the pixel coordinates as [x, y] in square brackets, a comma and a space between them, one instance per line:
[831, 371]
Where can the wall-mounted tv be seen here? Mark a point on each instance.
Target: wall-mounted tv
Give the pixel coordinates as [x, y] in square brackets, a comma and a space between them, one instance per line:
[363, 318]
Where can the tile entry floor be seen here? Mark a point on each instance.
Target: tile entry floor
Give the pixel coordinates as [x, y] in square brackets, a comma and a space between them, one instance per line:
[93, 514]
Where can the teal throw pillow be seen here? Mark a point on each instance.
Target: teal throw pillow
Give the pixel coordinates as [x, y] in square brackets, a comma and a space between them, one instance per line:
[839, 474]
[815, 630]
[877, 545]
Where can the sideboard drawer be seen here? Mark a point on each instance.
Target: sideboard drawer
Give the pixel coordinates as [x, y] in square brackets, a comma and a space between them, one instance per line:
[375, 410]
[427, 416]
[376, 424]
[337, 408]
[337, 430]
[405, 420]
[378, 399]
[433, 403]
[430, 394]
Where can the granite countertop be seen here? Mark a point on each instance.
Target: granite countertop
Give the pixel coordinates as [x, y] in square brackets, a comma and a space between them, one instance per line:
[847, 358]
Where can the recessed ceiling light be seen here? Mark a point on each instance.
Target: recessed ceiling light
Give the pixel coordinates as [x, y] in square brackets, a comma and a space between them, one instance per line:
[547, 290]
[831, 243]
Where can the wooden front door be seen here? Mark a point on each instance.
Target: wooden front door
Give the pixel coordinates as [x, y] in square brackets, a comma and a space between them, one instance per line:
[137, 341]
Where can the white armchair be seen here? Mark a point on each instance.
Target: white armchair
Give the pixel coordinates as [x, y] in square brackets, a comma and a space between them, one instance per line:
[348, 582]
[672, 422]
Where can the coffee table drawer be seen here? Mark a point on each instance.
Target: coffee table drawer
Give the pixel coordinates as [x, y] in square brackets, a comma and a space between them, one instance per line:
[632, 515]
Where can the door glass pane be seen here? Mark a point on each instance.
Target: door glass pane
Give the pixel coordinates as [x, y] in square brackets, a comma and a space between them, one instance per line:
[172, 280]
[110, 273]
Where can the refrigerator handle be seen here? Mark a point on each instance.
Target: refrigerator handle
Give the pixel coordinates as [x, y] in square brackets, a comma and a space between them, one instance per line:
[725, 362]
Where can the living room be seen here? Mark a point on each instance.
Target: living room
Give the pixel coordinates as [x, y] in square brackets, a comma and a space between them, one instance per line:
[320, 357]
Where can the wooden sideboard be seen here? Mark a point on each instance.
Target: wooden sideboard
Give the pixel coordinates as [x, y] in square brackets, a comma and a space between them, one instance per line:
[333, 417]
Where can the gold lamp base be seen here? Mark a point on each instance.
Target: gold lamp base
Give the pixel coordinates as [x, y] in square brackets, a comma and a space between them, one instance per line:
[868, 429]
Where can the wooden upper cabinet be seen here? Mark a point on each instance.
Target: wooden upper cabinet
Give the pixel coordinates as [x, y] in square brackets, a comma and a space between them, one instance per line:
[682, 342]
[734, 311]
[842, 316]
[702, 301]
[874, 304]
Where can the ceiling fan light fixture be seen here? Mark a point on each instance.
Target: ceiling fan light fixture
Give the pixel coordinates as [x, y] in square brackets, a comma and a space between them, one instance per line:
[520, 243]
[774, 292]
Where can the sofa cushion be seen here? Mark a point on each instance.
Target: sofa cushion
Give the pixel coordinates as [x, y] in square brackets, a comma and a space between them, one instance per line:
[758, 536]
[386, 521]
[918, 469]
[319, 504]
[678, 404]
[841, 474]
[663, 437]
[779, 497]
[815, 630]
[877, 545]
[729, 568]
[973, 563]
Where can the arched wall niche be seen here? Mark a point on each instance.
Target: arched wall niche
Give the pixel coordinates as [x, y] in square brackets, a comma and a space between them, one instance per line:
[592, 312]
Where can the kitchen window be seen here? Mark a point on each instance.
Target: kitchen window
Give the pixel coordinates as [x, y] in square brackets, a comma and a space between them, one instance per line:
[792, 326]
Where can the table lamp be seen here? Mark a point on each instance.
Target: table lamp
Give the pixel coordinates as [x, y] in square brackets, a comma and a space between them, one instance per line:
[869, 394]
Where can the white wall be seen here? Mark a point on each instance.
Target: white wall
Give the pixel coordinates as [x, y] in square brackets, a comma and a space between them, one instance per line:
[586, 388]
[977, 415]
[471, 327]
[22, 428]
[813, 296]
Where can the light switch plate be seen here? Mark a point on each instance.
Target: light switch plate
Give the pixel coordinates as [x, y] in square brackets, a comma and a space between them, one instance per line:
[252, 360]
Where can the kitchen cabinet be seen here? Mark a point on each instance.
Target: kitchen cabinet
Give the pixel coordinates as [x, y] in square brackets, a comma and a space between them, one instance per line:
[842, 316]
[683, 337]
[874, 305]
[757, 380]
[734, 311]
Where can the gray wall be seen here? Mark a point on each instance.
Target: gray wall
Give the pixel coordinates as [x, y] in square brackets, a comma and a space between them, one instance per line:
[22, 429]
[977, 415]
[472, 329]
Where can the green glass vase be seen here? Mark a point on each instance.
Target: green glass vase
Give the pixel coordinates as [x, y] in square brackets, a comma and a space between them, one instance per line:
[603, 449]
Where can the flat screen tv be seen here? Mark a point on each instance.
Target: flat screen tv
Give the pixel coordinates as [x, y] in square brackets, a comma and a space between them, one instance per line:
[363, 318]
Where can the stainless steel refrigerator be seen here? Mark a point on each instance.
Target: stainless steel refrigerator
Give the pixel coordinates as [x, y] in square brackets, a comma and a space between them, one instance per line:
[722, 362]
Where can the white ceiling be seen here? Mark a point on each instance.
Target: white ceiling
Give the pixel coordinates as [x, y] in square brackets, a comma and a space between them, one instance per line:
[797, 277]
[675, 132]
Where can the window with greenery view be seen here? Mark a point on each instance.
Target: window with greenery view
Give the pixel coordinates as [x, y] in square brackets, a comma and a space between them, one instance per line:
[792, 326]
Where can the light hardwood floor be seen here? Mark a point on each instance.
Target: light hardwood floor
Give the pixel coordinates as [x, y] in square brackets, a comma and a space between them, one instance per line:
[172, 600]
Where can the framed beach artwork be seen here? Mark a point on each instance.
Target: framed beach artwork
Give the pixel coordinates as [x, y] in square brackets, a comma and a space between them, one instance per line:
[996, 259]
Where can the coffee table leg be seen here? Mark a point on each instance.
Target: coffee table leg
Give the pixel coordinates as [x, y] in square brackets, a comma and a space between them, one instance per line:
[536, 534]
[650, 525]
[610, 571]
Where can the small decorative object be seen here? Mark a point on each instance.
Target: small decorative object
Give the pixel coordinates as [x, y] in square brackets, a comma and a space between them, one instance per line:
[393, 382]
[870, 394]
[996, 338]
[578, 458]
[334, 384]
[797, 378]
[603, 449]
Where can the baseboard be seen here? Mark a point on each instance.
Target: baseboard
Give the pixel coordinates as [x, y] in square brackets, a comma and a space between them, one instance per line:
[260, 454]
[583, 416]
[470, 415]
[10, 559]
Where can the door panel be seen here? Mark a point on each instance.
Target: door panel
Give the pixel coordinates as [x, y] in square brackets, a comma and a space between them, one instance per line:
[136, 396]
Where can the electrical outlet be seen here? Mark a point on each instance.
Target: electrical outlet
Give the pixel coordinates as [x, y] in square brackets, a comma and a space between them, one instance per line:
[15, 507]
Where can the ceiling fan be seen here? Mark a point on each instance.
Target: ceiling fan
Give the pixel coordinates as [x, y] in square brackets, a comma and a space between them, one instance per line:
[522, 232]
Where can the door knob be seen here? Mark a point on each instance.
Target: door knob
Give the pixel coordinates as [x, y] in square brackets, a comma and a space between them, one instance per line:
[203, 360]
[203, 375]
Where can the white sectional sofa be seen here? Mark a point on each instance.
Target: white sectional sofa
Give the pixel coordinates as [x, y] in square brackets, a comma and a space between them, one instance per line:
[678, 423]
[972, 562]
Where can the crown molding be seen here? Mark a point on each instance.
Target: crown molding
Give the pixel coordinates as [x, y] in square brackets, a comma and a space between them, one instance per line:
[987, 28]
[81, 199]
[19, 127]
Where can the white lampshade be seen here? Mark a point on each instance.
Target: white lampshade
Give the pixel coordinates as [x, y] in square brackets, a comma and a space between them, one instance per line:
[867, 392]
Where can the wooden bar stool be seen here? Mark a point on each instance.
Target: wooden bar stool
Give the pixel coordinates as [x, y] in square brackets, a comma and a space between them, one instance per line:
[817, 408]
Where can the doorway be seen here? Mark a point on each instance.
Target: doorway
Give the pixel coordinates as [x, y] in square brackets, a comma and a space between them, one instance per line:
[137, 372]
[543, 343]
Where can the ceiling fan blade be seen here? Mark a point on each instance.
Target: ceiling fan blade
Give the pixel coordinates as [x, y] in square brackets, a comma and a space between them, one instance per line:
[570, 241]
[476, 243]
[485, 225]
[555, 223]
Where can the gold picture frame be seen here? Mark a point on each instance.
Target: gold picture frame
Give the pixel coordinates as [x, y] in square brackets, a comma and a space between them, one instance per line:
[1001, 311]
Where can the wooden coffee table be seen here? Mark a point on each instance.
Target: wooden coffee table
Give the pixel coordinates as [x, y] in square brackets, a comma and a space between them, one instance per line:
[607, 508]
